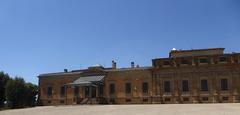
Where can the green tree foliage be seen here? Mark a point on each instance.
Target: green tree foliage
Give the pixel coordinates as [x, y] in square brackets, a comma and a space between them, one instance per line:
[3, 81]
[20, 94]
[31, 92]
[15, 92]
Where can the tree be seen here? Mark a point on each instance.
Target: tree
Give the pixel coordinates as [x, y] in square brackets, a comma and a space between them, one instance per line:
[20, 94]
[3, 81]
[31, 92]
[15, 92]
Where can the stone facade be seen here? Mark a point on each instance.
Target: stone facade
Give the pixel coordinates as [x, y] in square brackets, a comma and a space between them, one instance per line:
[56, 81]
[136, 77]
[186, 76]
[219, 71]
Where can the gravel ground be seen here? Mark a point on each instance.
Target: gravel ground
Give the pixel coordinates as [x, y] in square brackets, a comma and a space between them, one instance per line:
[155, 109]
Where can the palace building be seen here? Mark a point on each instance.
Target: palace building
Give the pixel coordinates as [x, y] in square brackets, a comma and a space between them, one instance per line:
[186, 76]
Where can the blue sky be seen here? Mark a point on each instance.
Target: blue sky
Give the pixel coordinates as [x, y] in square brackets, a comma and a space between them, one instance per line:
[41, 36]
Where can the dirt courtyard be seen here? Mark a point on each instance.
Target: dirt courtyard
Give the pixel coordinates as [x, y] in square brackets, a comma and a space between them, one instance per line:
[154, 109]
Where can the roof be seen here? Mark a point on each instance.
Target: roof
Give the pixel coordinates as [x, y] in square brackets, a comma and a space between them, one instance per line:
[87, 80]
[59, 74]
[74, 72]
[127, 69]
[169, 58]
[197, 50]
[90, 78]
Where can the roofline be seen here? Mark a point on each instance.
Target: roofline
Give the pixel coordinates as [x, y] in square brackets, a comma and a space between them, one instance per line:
[57, 74]
[198, 56]
[204, 49]
[81, 71]
[129, 69]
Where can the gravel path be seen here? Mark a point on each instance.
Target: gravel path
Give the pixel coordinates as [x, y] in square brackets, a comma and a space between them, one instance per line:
[161, 109]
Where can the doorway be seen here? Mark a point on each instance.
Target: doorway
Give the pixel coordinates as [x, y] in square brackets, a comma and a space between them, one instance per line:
[90, 92]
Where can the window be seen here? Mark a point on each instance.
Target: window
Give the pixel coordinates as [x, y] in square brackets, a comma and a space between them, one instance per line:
[167, 99]
[49, 91]
[166, 63]
[236, 61]
[184, 62]
[145, 100]
[76, 91]
[49, 101]
[204, 85]
[112, 100]
[185, 99]
[167, 87]
[223, 59]
[225, 98]
[128, 100]
[62, 91]
[204, 98]
[185, 87]
[145, 87]
[224, 84]
[112, 88]
[128, 88]
[203, 60]
[61, 101]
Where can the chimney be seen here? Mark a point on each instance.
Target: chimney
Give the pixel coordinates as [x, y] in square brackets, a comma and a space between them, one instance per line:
[65, 70]
[132, 64]
[137, 66]
[114, 64]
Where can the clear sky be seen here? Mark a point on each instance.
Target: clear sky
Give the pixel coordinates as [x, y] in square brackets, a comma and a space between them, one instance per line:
[41, 36]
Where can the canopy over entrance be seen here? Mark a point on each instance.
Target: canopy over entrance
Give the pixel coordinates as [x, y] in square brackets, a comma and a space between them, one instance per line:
[88, 81]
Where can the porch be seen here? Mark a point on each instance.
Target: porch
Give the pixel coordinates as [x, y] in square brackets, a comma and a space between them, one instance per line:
[87, 90]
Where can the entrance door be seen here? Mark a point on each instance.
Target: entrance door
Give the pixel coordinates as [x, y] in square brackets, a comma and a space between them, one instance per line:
[100, 90]
[93, 92]
[87, 92]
